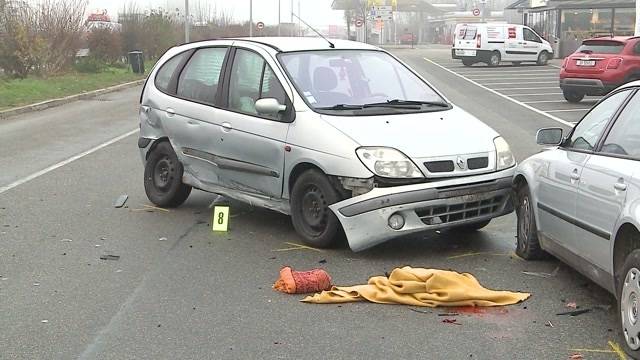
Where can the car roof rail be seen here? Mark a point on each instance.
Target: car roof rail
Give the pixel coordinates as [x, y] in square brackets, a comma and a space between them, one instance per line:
[257, 42]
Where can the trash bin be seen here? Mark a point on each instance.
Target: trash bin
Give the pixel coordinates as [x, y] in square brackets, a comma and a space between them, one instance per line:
[137, 62]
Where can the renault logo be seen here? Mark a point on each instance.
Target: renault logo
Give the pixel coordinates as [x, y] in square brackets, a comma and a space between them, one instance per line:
[460, 162]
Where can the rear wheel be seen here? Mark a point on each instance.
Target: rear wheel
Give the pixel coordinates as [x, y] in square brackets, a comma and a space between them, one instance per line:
[163, 177]
[311, 196]
[527, 244]
[543, 58]
[572, 96]
[629, 303]
[467, 62]
[494, 59]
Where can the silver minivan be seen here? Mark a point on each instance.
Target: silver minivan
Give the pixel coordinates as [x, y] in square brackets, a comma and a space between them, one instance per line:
[340, 135]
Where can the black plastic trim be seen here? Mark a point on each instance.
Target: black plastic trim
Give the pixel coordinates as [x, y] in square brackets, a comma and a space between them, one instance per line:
[143, 142]
[230, 164]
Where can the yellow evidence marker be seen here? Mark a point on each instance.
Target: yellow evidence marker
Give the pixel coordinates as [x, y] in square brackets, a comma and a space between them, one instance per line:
[220, 218]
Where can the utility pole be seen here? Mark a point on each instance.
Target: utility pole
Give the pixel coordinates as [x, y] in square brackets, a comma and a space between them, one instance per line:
[279, 3]
[299, 24]
[250, 18]
[187, 23]
[637, 32]
[291, 22]
[483, 5]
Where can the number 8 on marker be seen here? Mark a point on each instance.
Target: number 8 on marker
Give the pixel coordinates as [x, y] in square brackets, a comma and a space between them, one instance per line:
[221, 218]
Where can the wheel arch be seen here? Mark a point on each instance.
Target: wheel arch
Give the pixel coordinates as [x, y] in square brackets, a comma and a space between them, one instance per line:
[626, 239]
[297, 170]
[154, 144]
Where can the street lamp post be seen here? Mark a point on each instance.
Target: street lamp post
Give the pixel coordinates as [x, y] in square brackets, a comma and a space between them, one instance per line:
[279, 3]
[186, 21]
[637, 32]
[250, 18]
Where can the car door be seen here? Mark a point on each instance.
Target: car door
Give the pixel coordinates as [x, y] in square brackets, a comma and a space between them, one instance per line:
[253, 144]
[532, 44]
[603, 185]
[514, 44]
[193, 118]
[559, 180]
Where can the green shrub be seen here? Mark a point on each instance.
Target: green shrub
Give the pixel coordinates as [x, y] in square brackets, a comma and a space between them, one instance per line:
[89, 65]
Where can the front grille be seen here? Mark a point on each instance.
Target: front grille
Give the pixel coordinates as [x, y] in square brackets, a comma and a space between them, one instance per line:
[439, 166]
[442, 214]
[477, 163]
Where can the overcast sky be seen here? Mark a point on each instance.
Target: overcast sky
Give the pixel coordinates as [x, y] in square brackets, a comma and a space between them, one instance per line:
[316, 12]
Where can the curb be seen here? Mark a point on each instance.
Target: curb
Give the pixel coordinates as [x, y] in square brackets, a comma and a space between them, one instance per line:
[67, 99]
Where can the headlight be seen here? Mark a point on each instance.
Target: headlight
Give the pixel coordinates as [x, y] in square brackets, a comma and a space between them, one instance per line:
[388, 162]
[504, 157]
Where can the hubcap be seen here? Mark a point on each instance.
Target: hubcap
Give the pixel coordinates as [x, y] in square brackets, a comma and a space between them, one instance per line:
[629, 308]
[314, 209]
[494, 60]
[163, 173]
[525, 221]
[543, 58]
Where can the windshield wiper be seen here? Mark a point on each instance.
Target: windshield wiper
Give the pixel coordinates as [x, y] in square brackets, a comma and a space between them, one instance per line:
[409, 104]
[342, 107]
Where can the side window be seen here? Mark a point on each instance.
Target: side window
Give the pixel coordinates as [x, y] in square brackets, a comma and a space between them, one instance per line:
[199, 79]
[163, 76]
[624, 137]
[588, 131]
[252, 79]
[531, 36]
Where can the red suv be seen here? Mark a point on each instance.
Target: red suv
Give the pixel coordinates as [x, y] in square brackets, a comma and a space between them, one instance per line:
[600, 65]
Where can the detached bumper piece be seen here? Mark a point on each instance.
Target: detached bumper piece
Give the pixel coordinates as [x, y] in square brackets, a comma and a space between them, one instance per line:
[386, 213]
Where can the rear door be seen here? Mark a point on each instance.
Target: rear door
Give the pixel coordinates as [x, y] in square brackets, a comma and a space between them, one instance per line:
[593, 56]
[604, 181]
[466, 43]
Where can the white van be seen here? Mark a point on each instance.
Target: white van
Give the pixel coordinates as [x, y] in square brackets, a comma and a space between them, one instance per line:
[493, 43]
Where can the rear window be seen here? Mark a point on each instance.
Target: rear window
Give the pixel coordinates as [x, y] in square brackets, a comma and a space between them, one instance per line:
[163, 77]
[467, 32]
[601, 47]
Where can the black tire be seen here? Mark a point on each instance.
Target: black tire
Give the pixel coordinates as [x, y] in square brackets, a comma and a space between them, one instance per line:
[468, 228]
[494, 59]
[516, 63]
[630, 275]
[163, 177]
[527, 244]
[311, 196]
[466, 62]
[573, 97]
[543, 58]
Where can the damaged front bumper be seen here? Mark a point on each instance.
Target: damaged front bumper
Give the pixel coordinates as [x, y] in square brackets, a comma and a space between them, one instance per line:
[429, 206]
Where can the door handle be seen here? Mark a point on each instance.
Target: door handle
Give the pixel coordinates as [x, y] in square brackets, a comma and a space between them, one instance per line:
[226, 127]
[620, 186]
[574, 175]
[192, 122]
[170, 111]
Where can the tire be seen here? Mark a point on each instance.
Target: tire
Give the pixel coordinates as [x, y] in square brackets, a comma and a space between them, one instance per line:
[527, 244]
[468, 228]
[516, 63]
[572, 96]
[311, 196]
[494, 59]
[466, 62]
[163, 177]
[543, 58]
[628, 287]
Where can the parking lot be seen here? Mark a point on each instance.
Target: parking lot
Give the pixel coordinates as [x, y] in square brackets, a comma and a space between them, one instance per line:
[179, 291]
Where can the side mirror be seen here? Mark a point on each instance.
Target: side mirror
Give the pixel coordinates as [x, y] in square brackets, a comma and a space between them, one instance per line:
[549, 136]
[269, 106]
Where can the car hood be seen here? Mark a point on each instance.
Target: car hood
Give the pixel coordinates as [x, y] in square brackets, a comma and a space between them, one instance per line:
[419, 135]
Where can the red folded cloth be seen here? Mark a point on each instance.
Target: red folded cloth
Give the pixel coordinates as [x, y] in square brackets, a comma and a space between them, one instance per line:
[302, 282]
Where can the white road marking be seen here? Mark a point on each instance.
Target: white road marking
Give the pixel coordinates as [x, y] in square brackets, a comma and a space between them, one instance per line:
[547, 94]
[506, 71]
[545, 101]
[503, 95]
[65, 162]
[529, 88]
[512, 74]
[567, 110]
[555, 78]
[520, 83]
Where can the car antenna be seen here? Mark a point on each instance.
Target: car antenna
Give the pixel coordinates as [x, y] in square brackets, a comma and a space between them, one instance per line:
[316, 31]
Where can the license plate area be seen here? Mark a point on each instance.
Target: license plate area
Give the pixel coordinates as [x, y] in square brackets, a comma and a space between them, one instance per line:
[586, 62]
[461, 52]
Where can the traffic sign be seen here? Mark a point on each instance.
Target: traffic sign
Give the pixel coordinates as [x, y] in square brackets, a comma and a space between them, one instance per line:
[359, 23]
[476, 12]
[259, 25]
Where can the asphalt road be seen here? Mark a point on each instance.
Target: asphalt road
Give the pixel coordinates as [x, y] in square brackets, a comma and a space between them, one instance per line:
[200, 295]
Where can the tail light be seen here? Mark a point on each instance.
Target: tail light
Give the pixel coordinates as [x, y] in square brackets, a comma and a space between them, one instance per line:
[614, 63]
[478, 41]
[564, 63]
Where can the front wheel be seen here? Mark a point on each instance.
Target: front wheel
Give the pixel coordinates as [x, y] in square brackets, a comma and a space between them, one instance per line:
[543, 58]
[163, 177]
[527, 244]
[311, 196]
[494, 59]
[466, 62]
[572, 96]
[628, 288]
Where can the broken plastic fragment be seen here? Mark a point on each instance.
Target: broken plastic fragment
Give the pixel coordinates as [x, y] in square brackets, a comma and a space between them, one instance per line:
[120, 201]
[162, 239]
[110, 257]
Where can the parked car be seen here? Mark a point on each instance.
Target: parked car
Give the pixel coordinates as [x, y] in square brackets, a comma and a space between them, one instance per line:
[335, 134]
[408, 38]
[493, 43]
[600, 65]
[580, 201]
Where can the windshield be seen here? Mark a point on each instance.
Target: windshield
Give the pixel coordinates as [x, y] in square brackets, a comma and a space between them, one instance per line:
[352, 80]
[601, 47]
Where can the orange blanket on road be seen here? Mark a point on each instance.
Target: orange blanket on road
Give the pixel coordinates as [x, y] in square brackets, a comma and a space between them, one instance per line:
[420, 287]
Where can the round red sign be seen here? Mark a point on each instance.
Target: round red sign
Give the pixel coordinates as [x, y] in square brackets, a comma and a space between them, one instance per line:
[260, 25]
[476, 12]
[358, 23]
